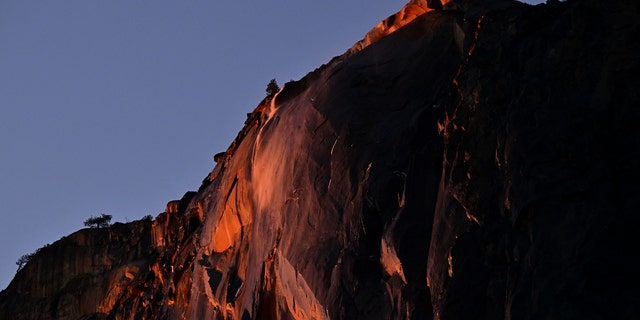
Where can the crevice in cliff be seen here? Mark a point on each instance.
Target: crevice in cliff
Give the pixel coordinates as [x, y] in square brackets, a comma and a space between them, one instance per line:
[343, 193]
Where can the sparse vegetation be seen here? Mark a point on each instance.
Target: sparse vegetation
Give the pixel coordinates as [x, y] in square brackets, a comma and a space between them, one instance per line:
[103, 221]
[22, 261]
[148, 217]
[272, 87]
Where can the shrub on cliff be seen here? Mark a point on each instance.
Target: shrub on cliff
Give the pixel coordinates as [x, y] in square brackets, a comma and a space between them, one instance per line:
[22, 261]
[102, 221]
[272, 87]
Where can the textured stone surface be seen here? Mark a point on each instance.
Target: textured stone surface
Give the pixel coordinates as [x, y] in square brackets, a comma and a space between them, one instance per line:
[536, 204]
[466, 160]
[81, 275]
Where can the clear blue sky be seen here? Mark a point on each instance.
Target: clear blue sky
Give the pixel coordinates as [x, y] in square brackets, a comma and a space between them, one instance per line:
[119, 106]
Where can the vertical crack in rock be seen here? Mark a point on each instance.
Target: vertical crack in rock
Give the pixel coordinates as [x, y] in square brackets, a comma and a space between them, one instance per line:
[466, 160]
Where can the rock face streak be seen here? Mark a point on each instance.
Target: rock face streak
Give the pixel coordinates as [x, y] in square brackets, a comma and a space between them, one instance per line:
[466, 160]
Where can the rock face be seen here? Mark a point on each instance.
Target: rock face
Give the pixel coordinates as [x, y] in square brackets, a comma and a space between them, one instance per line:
[466, 160]
[82, 274]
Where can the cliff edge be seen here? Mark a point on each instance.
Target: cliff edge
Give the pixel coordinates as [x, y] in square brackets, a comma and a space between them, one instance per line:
[466, 160]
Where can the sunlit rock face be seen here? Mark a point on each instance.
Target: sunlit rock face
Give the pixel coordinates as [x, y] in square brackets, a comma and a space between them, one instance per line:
[466, 160]
[394, 22]
[323, 206]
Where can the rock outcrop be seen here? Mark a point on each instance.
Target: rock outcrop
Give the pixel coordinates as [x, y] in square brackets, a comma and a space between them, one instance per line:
[82, 274]
[466, 160]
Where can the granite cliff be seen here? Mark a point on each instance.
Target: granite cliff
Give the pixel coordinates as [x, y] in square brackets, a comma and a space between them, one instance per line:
[465, 160]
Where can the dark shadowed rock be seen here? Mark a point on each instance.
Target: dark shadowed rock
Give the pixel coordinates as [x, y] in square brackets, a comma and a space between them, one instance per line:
[466, 160]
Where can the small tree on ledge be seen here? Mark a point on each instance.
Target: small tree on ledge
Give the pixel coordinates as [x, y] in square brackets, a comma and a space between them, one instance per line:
[102, 221]
[23, 260]
[272, 87]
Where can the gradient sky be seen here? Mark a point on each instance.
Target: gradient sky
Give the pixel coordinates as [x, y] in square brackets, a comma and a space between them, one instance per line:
[119, 106]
